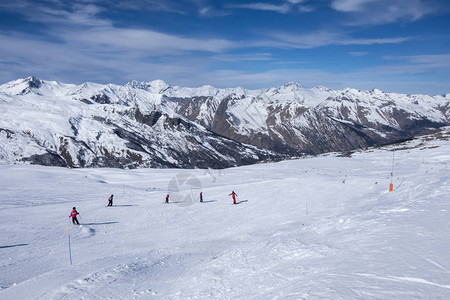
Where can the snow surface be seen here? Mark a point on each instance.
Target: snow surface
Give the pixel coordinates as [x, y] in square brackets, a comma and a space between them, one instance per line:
[315, 228]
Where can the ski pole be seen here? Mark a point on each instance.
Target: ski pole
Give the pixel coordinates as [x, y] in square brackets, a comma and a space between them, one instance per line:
[70, 250]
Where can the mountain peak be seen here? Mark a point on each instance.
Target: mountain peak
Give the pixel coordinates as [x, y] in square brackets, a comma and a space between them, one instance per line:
[21, 86]
[376, 91]
[322, 88]
[33, 82]
[156, 86]
[293, 84]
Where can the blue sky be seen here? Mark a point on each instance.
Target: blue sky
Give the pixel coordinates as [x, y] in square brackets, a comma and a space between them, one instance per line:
[393, 45]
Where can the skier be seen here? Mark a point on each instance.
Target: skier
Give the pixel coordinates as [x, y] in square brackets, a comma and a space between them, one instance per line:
[201, 196]
[110, 199]
[167, 198]
[234, 195]
[73, 215]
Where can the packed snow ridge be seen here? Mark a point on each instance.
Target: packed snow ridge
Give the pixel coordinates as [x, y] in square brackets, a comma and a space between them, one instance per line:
[153, 124]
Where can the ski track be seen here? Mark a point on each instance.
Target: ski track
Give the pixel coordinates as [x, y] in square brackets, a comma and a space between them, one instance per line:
[316, 228]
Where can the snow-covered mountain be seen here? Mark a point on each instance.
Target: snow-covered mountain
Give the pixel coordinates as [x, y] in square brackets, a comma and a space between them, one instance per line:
[153, 124]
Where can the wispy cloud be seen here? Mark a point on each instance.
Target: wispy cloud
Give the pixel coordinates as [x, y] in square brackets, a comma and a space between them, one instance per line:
[374, 12]
[172, 6]
[243, 57]
[358, 53]
[142, 42]
[320, 39]
[211, 12]
[423, 63]
[350, 5]
[281, 8]
[84, 25]
[85, 15]
[287, 6]
[84, 12]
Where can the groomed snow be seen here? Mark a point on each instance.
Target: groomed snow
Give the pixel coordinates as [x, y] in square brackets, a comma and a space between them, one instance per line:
[315, 228]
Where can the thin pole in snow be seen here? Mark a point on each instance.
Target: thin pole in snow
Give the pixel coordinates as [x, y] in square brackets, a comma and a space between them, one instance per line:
[70, 251]
[393, 159]
[391, 186]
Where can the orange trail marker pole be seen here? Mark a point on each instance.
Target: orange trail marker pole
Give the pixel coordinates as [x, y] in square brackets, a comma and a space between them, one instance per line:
[391, 186]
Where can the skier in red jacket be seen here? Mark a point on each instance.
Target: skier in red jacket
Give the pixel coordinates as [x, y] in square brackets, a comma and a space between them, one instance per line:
[167, 198]
[234, 195]
[110, 201]
[73, 215]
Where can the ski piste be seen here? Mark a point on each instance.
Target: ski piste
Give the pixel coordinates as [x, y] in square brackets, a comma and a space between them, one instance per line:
[304, 232]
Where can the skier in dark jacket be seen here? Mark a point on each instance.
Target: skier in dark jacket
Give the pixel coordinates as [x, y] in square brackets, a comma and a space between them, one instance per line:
[73, 215]
[234, 195]
[201, 196]
[110, 201]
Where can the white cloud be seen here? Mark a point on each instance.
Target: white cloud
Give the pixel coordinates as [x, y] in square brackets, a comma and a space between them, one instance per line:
[358, 53]
[320, 39]
[374, 12]
[85, 15]
[282, 8]
[350, 5]
[142, 42]
[423, 63]
[211, 12]
[205, 10]
[243, 57]
[288, 6]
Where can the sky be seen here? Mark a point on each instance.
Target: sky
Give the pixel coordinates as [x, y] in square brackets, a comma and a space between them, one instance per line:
[392, 45]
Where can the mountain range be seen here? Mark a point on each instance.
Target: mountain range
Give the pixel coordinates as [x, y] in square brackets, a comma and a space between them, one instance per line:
[153, 124]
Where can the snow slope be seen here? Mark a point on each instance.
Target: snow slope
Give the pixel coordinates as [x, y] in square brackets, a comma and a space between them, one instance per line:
[315, 228]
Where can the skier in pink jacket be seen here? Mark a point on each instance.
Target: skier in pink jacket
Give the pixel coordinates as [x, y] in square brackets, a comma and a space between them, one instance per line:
[73, 215]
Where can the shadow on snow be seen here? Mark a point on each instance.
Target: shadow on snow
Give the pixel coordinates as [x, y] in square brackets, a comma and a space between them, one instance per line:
[239, 202]
[12, 246]
[104, 223]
